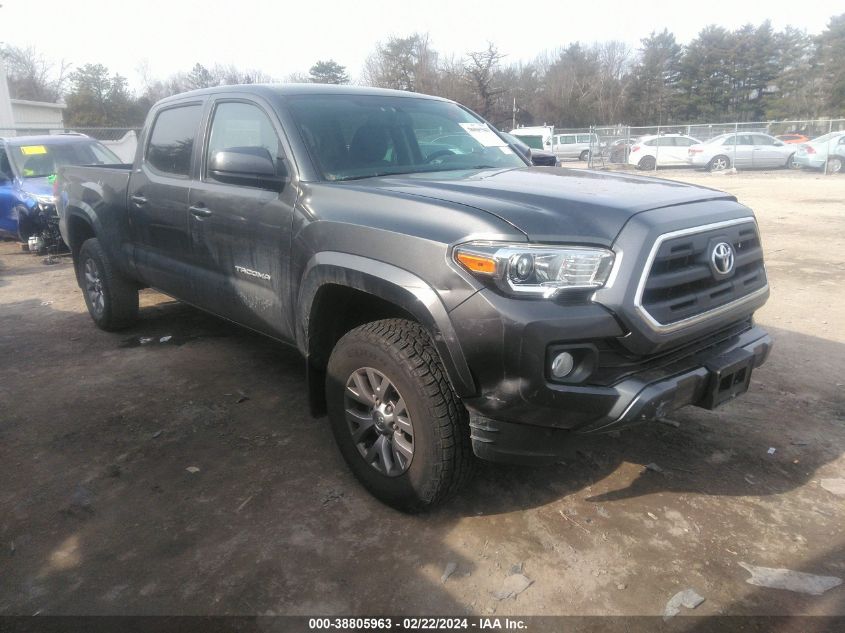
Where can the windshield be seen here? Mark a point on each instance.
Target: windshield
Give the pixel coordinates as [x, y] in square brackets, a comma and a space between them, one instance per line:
[38, 160]
[351, 137]
[534, 142]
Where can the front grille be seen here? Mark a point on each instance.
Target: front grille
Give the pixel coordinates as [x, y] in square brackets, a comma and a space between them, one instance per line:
[683, 282]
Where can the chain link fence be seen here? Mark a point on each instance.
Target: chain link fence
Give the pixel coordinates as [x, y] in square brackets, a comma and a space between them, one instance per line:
[613, 145]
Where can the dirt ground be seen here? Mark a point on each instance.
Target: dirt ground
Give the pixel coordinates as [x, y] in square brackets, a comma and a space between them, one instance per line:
[99, 513]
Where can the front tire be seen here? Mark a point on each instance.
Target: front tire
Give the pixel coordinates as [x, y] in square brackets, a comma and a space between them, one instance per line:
[719, 163]
[835, 165]
[112, 299]
[585, 155]
[394, 416]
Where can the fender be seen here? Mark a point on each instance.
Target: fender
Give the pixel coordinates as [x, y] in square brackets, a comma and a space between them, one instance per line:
[110, 228]
[395, 285]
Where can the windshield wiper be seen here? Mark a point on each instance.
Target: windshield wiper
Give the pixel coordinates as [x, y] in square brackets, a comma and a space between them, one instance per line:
[417, 171]
[376, 175]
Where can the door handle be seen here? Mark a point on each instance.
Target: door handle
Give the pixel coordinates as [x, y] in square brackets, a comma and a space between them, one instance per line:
[138, 200]
[199, 211]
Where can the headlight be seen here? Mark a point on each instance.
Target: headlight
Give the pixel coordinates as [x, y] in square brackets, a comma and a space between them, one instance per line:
[543, 271]
[45, 199]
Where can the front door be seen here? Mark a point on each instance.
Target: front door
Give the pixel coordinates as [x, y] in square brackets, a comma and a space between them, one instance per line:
[766, 153]
[159, 192]
[240, 233]
[741, 152]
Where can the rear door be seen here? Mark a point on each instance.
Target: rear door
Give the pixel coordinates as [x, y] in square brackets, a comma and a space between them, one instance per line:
[681, 149]
[241, 234]
[159, 190]
[664, 150]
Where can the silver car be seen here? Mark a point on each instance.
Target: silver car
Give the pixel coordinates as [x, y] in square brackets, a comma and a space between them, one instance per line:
[751, 150]
[828, 149]
[575, 145]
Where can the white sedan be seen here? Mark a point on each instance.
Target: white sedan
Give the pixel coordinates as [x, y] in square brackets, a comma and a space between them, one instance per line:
[743, 151]
[658, 151]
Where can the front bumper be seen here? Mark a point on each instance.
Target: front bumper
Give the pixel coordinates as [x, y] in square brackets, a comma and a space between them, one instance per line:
[639, 398]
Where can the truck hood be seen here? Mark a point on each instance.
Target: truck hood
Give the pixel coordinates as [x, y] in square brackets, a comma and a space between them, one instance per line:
[550, 203]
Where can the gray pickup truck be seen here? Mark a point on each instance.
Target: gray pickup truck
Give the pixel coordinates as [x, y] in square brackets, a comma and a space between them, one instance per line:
[450, 300]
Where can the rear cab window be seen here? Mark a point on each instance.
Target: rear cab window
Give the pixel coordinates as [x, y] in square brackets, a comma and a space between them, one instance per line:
[172, 140]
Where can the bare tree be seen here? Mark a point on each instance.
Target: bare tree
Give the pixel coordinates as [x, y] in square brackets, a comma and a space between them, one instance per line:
[403, 63]
[31, 76]
[481, 73]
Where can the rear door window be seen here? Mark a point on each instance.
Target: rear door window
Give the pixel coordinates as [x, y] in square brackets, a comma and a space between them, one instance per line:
[172, 140]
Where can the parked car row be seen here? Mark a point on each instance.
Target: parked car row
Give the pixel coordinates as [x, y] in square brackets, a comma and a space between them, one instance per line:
[743, 150]
[564, 146]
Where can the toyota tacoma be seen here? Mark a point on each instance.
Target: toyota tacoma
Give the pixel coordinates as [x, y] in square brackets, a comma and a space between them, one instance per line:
[450, 300]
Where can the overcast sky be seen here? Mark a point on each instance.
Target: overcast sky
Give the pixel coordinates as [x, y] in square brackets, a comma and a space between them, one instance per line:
[281, 38]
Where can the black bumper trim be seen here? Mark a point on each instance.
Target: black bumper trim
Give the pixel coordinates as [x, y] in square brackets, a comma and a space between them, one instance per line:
[513, 442]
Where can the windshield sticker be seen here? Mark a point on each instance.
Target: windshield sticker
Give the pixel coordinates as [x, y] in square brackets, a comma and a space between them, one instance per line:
[483, 134]
[32, 150]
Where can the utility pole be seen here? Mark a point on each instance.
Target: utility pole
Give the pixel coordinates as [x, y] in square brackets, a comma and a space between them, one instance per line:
[513, 125]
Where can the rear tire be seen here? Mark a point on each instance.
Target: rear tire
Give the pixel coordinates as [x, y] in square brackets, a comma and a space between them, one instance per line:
[647, 163]
[398, 424]
[719, 163]
[112, 299]
[585, 155]
[835, 165]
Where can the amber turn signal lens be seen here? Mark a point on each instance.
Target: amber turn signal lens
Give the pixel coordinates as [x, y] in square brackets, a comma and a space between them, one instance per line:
[477, 263]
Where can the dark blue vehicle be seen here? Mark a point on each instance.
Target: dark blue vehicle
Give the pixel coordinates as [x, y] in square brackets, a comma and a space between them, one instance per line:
[28, 166]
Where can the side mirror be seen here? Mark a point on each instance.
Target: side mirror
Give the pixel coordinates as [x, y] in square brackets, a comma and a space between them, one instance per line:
[778, 144]
[524, 152]
[246, 166]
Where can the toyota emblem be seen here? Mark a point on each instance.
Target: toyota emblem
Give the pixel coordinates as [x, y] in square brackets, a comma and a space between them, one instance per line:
[723, 258]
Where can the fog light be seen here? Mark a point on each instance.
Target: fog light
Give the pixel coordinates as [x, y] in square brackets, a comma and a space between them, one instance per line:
[562, 365]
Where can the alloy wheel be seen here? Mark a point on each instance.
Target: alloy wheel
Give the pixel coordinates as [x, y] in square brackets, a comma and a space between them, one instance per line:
[379, 421]
[719, 164]
[94, 287]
